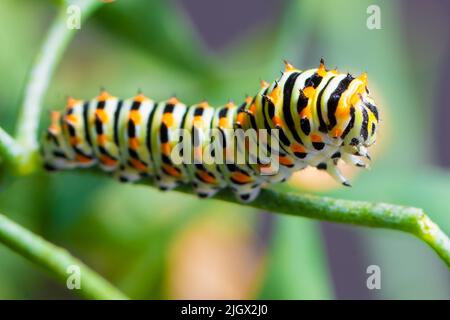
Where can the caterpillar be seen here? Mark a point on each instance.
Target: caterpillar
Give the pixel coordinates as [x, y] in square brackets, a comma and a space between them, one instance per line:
[320, 116]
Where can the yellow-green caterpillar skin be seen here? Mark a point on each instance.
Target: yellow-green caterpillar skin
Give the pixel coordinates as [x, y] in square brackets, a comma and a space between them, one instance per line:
[321, 116]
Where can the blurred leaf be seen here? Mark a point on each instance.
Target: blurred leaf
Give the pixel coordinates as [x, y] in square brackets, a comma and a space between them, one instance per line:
[17, 58]
[296, 262]
[409, 270]
[159, 28]
[128, 240]
[68, 207]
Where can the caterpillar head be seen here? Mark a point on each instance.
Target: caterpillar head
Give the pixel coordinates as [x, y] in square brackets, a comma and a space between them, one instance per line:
[363, 120]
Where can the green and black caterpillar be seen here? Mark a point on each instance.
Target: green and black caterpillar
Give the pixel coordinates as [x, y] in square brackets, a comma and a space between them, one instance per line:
[320, 116]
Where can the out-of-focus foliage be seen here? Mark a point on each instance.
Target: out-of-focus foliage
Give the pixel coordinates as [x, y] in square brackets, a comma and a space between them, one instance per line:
[139, 237]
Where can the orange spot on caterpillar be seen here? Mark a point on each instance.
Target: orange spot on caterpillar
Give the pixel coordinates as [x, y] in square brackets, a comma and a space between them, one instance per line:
[297, 148]
[82, 159]
[140, 98]
[306, 113]
[168, 119]
[165, 148]
[198, 121]
[277, 121]
[321, 71]
[71, 119]
[138, 165]
[241, 177]
[248, 99]
[173, 100]
[241, 118]
[203, 104]
[230, 105]
[101, 139]
[309, 92]
[135, 116]
[107, 161]
[206, 177]
[71, 102]
[171, 170]
[103, 96]
[316, 138]
[252, 109]
[343, 110]
[53, 129]
[133, 143]
[55, 116]
[337, 133]
[101, 115]
[263, 84]
[275, 94]
[284, 160]
[74, 140]
[223, 123]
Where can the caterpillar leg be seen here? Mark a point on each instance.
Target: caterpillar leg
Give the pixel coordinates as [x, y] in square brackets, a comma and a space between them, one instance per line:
[356, 160]
[281, 176]
[333, 171]
[127, 174]
[204, 190]
[166, 183]
[206, 183]
[246, 193]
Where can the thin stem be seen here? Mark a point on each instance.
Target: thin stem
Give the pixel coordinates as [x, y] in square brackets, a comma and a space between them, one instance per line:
[377, 215]
[58, 37]
[56, 260]
[10, 150]
[435, 237]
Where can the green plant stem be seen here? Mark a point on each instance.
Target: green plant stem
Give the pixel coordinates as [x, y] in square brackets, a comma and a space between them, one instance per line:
[57, 39]
[10, 150]
[377, 215]
[56, 260]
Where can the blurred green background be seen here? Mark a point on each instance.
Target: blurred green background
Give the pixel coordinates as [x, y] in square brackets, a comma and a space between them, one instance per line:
[170, 245]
